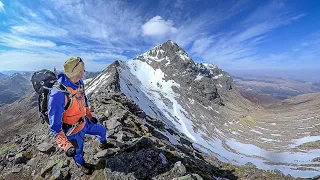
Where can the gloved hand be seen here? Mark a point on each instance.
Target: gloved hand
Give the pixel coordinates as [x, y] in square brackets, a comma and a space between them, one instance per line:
[71, 152]
[94, 120]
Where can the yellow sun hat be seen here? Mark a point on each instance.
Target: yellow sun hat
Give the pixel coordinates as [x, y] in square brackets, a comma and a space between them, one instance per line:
[73, 66]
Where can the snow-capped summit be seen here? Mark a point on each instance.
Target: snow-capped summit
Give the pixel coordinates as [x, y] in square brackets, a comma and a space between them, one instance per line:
[166, 84]
[166, 54]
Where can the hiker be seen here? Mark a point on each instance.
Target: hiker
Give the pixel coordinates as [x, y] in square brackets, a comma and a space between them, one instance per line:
[69, 126]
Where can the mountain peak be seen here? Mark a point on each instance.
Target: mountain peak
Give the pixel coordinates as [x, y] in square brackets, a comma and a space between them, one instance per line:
[169, 46]
[165, 52]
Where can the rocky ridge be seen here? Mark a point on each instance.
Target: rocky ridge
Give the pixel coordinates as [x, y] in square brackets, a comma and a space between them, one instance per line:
[147, 147]
[144, 150]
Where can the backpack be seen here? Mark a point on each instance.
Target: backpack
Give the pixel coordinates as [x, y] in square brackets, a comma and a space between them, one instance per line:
[43, 81]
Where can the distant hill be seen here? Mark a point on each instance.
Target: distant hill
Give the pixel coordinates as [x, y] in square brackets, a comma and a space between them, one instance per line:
[281, 87]
[303, 75]
[11, 72]
[14, 87]
[2, 76]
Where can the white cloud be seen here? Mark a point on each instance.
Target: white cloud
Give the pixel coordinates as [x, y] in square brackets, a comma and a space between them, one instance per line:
[44, 30]
[158, 27]
[24, 43]
[48, 13]
[26, 60]
[29, 60]
[298, 17]
[1, 6]
[201, 45]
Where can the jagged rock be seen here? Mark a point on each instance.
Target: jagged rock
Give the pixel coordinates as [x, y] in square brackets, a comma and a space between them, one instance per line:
[10, 159]
[59, 172]
[112, 123]
[48, 168]
[56, 175]
[124, 136]
[255, 175]
[46, 148]
[316, 177]
[1, 168]
[16, 169]
[197, 177]
[159, 135]
[66, 163]
[186, 177]
[20, 158]
[142, 164]
[105, 153]
[18, 140]
[31, 162]
[316, 159]
[143, 142]
[66, 173]
[178, 170]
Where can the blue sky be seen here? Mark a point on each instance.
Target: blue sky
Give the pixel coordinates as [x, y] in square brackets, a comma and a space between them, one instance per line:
[232, 34]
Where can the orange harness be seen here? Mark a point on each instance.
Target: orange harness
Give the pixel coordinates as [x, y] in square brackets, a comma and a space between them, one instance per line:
[76, 111]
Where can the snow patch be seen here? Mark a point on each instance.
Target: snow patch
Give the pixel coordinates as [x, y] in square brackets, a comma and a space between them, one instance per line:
[97, 82]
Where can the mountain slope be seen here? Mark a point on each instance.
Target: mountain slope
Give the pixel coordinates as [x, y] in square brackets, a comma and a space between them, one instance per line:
[2, 76]
[14, 87]
[201, 102]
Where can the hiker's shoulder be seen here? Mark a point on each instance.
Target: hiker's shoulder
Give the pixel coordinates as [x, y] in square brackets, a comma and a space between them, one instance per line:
[56, 93]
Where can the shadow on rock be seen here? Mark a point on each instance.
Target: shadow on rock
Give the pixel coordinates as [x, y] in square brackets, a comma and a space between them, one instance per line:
[143, 160]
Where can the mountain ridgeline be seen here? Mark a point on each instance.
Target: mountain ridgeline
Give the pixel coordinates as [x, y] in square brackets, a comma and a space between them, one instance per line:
[169, 118]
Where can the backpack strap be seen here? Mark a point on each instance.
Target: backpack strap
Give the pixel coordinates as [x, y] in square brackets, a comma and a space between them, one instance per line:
[65, 90]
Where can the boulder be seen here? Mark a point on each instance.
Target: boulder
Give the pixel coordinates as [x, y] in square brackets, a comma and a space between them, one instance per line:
[46, 148]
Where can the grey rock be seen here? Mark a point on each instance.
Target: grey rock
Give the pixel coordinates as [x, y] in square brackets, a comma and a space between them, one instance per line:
[1, 168]
[66, 163]
[254, 175]
[197, 177]
[119, 175]
[316, 177]
[16, 169]
[141, 164]
[316, 159]
[66, 173]
[46, 148]
[143, 142]
[177, 171]
[10, 159]
[20, 158]
[56, 175]
[112, 123]
[186, 177]
[31, 162]
[48, 168]
[104, 153]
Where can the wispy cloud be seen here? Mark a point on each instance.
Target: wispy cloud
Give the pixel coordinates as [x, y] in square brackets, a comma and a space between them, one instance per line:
[25, 43]
[240, 45]
[230, 34]
[1, 6]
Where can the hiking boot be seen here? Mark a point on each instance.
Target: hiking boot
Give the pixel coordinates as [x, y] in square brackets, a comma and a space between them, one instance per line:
[105, 145]
[87, 169]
